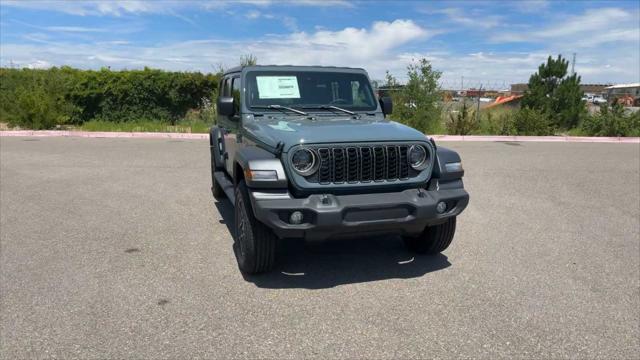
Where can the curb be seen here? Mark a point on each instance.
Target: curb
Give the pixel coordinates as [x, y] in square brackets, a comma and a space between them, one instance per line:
[191, 136]
[503, 138]
[98, 134]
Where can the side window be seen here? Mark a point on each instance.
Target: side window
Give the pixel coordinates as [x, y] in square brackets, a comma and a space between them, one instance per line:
[226, 91]
[221, 88]
[335, 91]
[235, 92]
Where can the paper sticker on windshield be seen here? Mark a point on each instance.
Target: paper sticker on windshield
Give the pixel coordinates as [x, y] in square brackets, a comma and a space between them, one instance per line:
[278, 87]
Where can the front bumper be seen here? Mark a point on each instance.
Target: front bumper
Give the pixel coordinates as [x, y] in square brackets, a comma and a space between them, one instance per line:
[326, 216]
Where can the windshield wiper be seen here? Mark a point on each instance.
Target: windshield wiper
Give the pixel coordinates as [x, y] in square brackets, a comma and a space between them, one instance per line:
[330, 107]
[281, 108]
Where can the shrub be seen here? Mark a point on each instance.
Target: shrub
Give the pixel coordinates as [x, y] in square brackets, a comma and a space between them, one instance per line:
[462, 122]
[44, 98]
[135, 94]
[612, 121]
[37, 109]
[532, 122]
[498, 122]
[34, 99]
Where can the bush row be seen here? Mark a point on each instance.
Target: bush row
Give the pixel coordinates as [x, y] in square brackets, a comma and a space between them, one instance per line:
[41, 99]
[609, 121]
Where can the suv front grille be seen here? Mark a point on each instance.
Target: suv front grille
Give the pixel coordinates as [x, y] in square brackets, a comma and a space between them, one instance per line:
[353, 164]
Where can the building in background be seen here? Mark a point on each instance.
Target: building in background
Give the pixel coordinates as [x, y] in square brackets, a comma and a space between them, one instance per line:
[625, 94]
[590, 89]
[519, 89]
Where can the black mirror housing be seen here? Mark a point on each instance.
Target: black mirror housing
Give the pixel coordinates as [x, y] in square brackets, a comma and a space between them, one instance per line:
[226, 106]
[386, 104]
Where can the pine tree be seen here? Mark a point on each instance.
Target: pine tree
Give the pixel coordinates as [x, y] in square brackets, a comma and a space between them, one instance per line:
[555, 94]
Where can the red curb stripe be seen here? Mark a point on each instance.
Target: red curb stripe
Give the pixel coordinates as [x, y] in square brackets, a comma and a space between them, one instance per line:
[586, 139]
[91, 134]
[192, 136]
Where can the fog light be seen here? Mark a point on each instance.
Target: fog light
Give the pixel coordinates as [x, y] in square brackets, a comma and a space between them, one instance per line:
[295, 218]
[441, 207]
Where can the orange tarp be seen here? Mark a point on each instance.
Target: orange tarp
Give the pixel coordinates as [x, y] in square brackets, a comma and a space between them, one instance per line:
[504, 99]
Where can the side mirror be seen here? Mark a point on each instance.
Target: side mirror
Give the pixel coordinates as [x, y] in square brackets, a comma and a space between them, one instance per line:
[225, 105]
[387, 105]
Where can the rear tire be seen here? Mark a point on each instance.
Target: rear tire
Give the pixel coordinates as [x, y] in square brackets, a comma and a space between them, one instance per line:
[434, 239]
[255, 243]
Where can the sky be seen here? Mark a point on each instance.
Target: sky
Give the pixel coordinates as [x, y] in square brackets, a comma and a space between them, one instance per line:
[489, 43]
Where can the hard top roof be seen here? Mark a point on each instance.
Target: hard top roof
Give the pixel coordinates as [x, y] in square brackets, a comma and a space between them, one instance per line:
[291, 68]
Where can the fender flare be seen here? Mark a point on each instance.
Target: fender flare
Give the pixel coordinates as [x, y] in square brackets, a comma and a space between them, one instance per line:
[216, 147]
[256, 158]
[445, 156]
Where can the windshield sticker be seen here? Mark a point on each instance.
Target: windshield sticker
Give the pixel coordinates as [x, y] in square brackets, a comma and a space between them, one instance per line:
[282, 125]
[278, 87]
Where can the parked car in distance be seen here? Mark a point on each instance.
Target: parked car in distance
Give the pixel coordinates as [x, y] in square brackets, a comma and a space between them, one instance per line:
[308, 153]
[599, 100]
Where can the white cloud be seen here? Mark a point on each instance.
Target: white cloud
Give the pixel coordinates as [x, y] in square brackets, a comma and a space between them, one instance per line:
[90, 7]
[121, 7]
[375, 48]
[529, 6]
[465, 17]
[606, 41]
[130, 28]
[379, 47]
[38, 64]
[253, 14]
[74, 29]
[288, 22]
[604, 24]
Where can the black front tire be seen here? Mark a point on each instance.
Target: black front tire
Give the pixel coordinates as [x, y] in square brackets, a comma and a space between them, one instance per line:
[434, 239]
[255, 243]
[216, 189]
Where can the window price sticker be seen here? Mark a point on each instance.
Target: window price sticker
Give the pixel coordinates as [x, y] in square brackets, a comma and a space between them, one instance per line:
[278, 87]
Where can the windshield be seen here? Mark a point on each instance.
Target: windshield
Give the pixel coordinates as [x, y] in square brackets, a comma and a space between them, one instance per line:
[309, 89]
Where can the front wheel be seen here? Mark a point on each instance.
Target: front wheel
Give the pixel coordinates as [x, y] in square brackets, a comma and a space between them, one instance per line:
[434, 239]
[255, 243]
[216, 189]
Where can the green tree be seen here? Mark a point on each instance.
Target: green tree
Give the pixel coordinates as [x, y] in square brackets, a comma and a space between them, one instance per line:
[417, 103]
[555, 94]
[248, 60]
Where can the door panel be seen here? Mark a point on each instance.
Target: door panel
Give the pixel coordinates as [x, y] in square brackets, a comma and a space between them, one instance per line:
[231, 125]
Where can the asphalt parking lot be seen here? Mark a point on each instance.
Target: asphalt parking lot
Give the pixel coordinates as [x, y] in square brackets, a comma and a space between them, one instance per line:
[116, 248]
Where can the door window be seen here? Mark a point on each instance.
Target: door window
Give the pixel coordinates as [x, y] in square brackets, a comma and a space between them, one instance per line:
[235, 92]
[226, 91]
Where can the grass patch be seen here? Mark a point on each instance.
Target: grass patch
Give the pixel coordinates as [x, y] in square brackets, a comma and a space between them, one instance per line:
[146, 126]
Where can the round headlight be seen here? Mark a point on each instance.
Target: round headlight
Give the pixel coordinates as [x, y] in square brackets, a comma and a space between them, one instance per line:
[304, 162]
[418, 157]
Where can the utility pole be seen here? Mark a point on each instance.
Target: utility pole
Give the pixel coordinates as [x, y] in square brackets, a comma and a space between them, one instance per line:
[573, 64]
